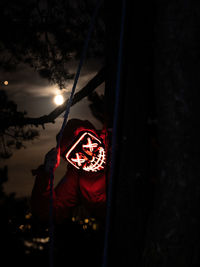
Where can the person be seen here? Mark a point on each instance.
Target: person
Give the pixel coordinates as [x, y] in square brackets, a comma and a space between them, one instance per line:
[83, 187]
[84, 183]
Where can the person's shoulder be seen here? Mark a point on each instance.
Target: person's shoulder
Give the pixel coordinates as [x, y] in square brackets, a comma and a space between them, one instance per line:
[71, 169]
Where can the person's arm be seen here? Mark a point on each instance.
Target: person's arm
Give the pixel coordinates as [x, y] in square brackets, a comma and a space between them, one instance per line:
[65, 195]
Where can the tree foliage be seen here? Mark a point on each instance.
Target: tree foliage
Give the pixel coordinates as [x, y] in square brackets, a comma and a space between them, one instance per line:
[12, 137]
[47, 34]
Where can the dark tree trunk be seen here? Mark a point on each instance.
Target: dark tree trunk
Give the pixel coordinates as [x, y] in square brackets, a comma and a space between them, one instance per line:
[174, 230]
[131, 187]
[112, 45]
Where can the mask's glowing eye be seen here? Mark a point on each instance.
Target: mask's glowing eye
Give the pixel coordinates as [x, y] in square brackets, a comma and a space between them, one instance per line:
[90, 145]
[78, 159]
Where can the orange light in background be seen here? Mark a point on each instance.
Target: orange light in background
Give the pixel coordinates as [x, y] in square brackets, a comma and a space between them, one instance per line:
[5, 82]
[94, 226]
[28, 216]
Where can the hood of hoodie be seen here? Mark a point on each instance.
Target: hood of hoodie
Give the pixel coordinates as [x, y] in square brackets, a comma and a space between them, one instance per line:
[72, 129]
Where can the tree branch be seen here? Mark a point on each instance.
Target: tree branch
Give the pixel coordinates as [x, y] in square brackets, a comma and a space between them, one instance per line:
[97, 80]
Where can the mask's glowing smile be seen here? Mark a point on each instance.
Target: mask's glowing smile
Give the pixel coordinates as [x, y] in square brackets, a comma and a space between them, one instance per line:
[87, 153]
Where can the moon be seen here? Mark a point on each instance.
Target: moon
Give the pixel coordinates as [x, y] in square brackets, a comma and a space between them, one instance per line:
[58, 100]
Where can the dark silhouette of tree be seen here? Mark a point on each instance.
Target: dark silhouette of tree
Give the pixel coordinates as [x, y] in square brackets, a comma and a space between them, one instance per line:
[97, 106]
[133, 150]
[173, 233]
[12, 136]
[155, 222]
[46, 34]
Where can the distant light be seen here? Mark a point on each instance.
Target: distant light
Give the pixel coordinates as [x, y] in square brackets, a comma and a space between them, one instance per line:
[94, 226]
[58, 100]
[28, 216]
[5, 82]
[85, 227]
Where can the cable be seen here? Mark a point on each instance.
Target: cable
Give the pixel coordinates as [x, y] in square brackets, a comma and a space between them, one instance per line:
[114, 136]
[83, 56]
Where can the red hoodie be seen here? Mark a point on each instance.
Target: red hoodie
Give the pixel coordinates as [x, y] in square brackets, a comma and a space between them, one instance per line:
[78, 187]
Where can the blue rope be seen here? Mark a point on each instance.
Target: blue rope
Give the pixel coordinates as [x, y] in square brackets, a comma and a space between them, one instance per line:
[69, 103]
[114, 137]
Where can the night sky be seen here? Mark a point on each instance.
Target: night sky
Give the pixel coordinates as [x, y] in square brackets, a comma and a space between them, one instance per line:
[35, 95]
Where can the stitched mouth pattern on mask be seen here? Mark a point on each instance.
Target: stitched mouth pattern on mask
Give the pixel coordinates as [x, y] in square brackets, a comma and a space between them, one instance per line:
[99, 160]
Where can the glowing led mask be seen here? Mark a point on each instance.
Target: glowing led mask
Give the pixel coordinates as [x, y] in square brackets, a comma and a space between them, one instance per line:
[87, 153]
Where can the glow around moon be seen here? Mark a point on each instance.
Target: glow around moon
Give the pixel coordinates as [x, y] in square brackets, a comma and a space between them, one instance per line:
[58, 100]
